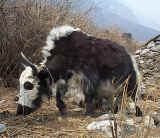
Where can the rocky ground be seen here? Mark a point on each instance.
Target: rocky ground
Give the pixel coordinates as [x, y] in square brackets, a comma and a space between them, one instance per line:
[148, 59]
[46, 122]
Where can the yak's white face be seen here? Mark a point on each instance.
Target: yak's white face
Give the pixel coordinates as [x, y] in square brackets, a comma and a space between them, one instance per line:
[28, 87]
[28, 91]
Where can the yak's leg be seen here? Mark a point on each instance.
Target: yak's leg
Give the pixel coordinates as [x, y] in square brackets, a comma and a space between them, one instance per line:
[90, 84]
[89, 105]
[117, 104]
[61, 90]
[138, 111]
[89, 97]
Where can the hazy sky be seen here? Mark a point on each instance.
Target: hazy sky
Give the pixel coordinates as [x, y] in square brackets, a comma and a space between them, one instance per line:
[148, 11]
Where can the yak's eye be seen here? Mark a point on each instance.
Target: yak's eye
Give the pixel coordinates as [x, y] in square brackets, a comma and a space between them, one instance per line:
[28, 85]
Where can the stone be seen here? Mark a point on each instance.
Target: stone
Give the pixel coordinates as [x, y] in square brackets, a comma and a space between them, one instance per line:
[77, 109]
[150, 45]
[2, 128]
[106, 116]
[104, 126]
[2, 101]
[60, 118]
[138, 51]
[129, 128]
[144, 51]
[148, 121]
[141, 62]
[148, 60]
[156, 48]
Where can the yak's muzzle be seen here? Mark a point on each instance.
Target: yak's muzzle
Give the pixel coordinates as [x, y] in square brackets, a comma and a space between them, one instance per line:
[23, 110]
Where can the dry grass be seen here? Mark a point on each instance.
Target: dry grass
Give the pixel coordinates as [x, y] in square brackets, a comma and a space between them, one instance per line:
[47, 122]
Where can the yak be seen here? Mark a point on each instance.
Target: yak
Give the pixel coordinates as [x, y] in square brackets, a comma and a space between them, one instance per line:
[103, 66]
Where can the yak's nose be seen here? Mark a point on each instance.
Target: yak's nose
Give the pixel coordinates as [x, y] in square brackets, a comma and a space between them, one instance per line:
[16, 98]
[23, 110]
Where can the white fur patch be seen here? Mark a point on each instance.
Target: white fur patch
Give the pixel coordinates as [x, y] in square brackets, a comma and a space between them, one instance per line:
[26, 97]
[138, 75]
[56, 34]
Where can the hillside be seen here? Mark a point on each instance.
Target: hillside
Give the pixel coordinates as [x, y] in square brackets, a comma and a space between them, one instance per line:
[111, 13]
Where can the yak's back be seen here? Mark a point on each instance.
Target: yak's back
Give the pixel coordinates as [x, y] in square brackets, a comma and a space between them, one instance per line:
[82, 50]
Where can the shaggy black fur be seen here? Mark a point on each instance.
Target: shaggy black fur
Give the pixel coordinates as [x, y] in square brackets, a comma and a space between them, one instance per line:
[43, 89]
[97, 59]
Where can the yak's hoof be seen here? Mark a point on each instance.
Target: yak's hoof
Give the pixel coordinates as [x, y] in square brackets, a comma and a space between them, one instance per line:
[115, 110]
[88, 115]
[89, 108]
[63, 112]
[89, 112]
[138, 111]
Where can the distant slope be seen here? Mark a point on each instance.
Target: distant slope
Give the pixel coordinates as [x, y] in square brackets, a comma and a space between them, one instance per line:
[110, 12]
[115, 7]
[139, 32]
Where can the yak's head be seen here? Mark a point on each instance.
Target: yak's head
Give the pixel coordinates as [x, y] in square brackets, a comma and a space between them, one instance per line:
[34, 85]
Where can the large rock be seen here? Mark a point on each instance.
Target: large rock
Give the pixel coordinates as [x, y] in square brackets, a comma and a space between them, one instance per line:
[2, 128]
[148, 59]
[114, 124]
[105, 126]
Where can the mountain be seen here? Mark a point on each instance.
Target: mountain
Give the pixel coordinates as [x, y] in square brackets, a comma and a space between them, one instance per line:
[112, 12]
[139, 32]
[115, 7]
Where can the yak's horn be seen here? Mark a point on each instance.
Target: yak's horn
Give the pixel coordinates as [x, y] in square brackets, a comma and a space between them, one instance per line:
[33, 66]
[24, 65]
